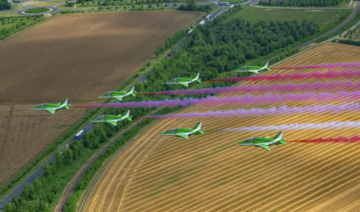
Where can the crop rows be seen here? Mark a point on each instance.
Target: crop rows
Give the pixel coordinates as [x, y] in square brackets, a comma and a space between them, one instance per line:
[211, 173]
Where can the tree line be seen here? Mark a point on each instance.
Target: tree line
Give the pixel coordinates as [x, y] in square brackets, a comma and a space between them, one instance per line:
[5, 5]
[215, 49]
[350, 42]
[191, 6]
[300, 3]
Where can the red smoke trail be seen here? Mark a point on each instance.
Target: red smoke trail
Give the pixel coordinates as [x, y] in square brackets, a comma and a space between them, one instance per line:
[340, 139]
[296, 76]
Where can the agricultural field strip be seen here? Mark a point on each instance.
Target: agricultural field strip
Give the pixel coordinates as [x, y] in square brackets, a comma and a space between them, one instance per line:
[308, 184]
[133, 150]
[194, 185]
[124, 186]
[139, 180]
[180, 163]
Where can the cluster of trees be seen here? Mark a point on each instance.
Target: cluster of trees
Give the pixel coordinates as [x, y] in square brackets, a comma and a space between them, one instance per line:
[220, 46]
[300, 3]
[5, 5]
[190, 6]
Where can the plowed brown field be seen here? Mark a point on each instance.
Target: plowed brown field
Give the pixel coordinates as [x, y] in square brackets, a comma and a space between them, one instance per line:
[211, 173]
[78, 56]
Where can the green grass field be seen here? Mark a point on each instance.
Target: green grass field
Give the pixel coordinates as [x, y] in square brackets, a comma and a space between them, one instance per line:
[323, 18]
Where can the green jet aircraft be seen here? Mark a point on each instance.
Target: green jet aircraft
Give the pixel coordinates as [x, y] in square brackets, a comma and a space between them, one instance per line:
[185, 132]
[254, 69]
[113, 119]
[184, 81]
[119, 94]
[51, 108]
[264, 142]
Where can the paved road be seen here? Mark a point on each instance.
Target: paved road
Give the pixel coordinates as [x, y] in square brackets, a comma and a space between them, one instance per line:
[51, 10]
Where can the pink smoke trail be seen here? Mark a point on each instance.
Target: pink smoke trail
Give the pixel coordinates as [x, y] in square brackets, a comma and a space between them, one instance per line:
[246, 99]
[296, 76]
[331, 65]
[317, 86]
[329, 108]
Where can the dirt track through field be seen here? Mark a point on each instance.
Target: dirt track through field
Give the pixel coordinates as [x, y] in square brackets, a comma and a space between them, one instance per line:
[77, 56]
[211, 173]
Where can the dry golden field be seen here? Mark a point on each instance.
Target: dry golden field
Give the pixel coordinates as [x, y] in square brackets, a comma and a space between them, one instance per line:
[211, 173]
[75, 56]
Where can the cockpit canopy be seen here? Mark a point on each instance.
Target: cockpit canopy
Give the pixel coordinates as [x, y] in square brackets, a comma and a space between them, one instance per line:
[171, 130]
[42, 105]
[102, 117]
[108, 93]
[174, 80]
[244, 68]
[250, 139]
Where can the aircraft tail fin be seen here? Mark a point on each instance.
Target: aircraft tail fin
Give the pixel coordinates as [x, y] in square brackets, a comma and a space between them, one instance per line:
[64, 102]
[279, 135]
[198, 126]
[282, 141]
[267, 66]
[132, 89]
[197, 78]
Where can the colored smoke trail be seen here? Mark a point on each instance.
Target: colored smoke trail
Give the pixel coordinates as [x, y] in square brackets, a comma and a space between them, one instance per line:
[340, 139]
[246, 99]
[318, 86]
[331, 65]
[263, 111]
[296, 76]
[327, 125]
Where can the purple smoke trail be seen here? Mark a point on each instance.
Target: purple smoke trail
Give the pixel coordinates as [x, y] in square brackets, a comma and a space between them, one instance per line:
[296, 126]
[264, 111]
[246, 99]
[296, 76]
[317, 86]
[331, 65]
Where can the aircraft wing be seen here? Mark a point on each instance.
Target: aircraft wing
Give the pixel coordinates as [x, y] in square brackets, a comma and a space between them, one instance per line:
[264, 146]
[112, 122]
[52, 111]
[118, 98]
[184, 84]
[183, 136]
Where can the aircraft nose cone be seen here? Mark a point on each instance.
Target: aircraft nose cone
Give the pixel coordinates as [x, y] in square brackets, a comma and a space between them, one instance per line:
[242, 143]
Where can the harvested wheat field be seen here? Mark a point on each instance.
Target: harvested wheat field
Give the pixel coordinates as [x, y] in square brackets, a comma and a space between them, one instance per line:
[211, 173]
[77, 56]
